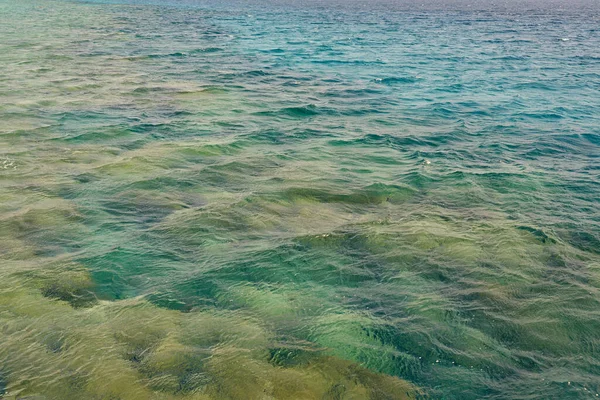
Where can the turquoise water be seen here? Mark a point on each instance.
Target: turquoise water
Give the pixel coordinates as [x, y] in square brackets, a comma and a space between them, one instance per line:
[205, 200]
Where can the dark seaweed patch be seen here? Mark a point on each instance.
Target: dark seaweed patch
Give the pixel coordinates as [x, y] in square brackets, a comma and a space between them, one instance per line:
[76, 296]
[538, 233]
[289, 356]
[585, 241]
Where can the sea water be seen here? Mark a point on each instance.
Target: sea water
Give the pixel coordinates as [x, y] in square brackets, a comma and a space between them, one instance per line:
[299, 200]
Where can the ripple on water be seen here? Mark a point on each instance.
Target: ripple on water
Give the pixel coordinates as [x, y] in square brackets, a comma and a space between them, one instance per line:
[215, 202]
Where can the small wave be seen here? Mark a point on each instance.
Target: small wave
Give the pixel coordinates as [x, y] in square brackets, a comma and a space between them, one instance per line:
[257, 72]
[534, 85]
[207, 50]
[541, 115]
[301, 112]
[277, 50]
[177, 54]
[347, 62]
[294, 112]
[390, 81]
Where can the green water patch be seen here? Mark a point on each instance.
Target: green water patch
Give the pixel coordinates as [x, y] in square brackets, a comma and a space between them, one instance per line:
[195, 152]
[163, 160]
[293, 265]
[140, 206]
[51, 225]
[372, 194]
[119, 136]
[236, 217]
[314, 315]
[133, 350]
[177, 225]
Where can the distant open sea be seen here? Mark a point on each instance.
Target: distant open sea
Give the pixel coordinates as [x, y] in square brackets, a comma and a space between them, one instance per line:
[257, 200]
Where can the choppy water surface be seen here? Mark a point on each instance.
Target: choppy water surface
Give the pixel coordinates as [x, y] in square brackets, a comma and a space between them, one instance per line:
[307, 201]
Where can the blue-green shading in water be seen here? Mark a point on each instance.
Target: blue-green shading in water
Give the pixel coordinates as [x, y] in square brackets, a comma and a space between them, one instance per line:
[299, 200]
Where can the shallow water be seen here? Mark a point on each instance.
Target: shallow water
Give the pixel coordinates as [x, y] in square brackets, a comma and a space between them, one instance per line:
[266, 200]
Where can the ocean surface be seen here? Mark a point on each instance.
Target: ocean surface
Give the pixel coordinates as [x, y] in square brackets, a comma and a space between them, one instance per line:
[299, 200]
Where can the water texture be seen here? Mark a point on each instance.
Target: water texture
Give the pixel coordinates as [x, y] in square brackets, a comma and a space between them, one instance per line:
[204, 200]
